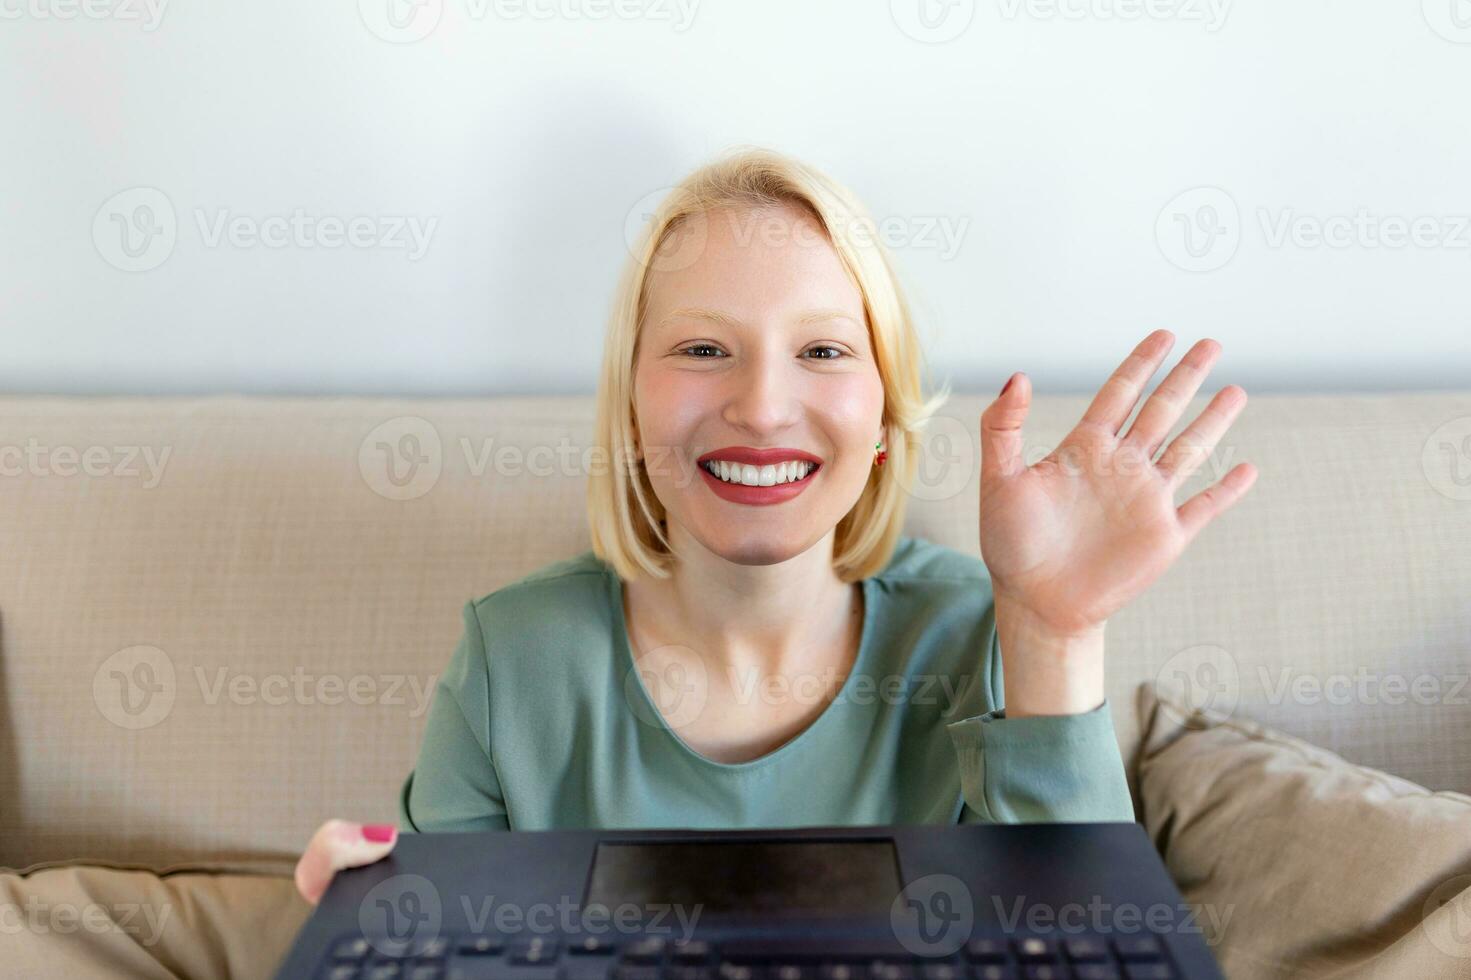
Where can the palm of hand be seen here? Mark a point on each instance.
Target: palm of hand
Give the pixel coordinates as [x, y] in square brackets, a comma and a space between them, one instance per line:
[1082, 532]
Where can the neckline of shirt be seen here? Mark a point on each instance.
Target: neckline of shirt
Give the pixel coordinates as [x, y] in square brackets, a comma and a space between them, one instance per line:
[633, 685]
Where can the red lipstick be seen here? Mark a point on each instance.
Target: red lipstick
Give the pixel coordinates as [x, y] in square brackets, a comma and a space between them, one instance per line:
[739, 493]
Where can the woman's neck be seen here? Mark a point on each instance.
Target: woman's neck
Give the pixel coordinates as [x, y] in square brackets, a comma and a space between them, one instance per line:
[765, 618]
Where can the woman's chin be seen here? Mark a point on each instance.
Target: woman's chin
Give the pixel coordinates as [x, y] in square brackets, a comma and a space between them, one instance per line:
[758, 543]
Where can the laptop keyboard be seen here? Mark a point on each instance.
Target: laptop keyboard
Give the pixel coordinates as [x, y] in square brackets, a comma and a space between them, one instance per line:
[1136, 956]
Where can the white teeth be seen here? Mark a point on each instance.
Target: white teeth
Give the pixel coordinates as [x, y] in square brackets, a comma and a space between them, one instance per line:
[759, 476]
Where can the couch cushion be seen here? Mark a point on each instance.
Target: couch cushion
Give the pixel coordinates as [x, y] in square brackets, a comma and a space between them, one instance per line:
[86, 921]
[1302, 864]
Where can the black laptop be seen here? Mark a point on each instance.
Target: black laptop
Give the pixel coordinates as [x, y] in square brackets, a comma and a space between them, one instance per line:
[964, 902]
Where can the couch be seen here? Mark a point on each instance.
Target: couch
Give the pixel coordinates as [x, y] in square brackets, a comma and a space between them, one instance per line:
[221, 619]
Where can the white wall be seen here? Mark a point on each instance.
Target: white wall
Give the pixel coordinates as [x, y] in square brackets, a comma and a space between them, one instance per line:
[1051, 139]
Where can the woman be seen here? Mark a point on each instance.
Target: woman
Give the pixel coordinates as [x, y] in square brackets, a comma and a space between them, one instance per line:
[752, 642]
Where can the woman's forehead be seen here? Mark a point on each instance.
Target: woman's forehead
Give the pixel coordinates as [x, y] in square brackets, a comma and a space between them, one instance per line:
[753, 267]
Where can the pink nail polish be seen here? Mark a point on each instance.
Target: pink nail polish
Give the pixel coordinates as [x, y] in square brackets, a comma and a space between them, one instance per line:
[379, 833]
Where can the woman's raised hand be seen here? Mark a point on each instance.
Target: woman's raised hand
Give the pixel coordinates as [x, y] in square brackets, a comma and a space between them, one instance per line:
[339, 844]
[1077, 535]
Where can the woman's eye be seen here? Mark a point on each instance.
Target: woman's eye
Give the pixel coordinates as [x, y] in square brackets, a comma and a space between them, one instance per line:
[836, 352]
[694, 347]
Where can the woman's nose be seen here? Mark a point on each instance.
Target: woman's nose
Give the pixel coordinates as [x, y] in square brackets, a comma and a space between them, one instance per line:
[763, 395]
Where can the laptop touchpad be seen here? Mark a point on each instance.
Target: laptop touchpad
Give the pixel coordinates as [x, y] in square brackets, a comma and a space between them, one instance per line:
[837, 877]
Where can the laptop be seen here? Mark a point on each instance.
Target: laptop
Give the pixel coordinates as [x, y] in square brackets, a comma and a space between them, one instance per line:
[964, 902]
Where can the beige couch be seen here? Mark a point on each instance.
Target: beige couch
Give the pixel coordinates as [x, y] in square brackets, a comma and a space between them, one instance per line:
[221, 619]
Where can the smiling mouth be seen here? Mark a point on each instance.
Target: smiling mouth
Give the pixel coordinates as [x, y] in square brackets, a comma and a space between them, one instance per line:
[746, 475]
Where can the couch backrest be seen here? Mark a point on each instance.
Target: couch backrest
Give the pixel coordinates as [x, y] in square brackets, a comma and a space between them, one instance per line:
[221, 618]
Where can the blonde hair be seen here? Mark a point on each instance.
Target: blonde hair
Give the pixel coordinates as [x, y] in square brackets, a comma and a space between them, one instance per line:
[624, 516]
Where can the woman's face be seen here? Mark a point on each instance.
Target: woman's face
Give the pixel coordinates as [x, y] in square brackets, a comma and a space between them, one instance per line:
[755, 338]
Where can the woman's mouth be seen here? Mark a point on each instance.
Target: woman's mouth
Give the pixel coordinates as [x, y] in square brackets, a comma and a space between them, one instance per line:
[759, 476]
[742, 483]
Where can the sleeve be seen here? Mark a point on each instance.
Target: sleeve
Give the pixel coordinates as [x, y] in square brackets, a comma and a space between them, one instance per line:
[1039, 768]
[454, 785]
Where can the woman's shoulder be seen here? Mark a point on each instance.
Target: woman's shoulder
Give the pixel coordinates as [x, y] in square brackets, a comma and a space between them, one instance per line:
[562, 585]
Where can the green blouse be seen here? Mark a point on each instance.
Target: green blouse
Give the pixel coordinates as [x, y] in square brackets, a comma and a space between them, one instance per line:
[540, 721]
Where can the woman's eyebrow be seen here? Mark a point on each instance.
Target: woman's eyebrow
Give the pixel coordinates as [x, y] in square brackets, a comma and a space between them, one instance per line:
[716, 316]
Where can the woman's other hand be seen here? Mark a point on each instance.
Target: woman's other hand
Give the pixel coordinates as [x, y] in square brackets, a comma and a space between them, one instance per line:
[339, 844]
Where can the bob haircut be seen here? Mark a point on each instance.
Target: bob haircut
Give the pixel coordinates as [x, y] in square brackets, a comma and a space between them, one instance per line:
[626, 519]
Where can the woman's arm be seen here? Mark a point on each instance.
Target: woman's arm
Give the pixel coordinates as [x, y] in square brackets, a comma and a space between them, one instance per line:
[1061, 768]
[454, 785]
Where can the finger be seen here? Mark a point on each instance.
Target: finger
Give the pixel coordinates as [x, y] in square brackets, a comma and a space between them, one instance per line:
[1162, 409]
[1193, 446]
[1001, 429]
[1110, 408]
[1215, 500]
[339, 844]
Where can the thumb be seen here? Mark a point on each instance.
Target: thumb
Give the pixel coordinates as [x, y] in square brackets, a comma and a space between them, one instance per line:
[1001, 429]
[336, 845]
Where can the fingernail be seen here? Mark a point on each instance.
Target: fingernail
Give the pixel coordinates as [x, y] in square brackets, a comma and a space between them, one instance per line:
[1007, 385]
[379, 833]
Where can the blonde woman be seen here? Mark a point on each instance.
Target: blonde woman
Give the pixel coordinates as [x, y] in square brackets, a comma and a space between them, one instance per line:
[751, 640]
